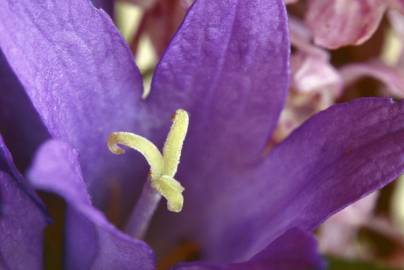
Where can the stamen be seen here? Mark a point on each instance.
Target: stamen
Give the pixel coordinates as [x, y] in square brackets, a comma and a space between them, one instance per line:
[163, 167]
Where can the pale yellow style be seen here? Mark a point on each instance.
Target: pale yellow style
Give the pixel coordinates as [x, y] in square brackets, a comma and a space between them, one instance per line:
[163, 166]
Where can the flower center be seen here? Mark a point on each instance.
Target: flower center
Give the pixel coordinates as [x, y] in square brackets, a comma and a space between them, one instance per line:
[163, 166]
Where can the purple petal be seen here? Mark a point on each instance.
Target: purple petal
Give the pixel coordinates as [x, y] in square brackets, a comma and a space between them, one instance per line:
[335, 158]
[21, 224]
[91, 241]
[15, 106]
[79, 75]
[229, 69]
[22, 220]
[293, 250]
[7, 165]
[392, 77]
[335, 23]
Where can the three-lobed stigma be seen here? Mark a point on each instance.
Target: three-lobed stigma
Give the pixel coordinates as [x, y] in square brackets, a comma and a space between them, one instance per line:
[163, 166]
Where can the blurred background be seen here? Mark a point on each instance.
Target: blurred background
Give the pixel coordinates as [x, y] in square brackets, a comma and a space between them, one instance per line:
[341, 50]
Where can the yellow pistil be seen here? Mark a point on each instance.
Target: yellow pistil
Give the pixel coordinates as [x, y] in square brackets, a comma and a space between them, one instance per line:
[163, 166]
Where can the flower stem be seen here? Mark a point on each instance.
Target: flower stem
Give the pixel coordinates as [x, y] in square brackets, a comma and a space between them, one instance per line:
[143, 212]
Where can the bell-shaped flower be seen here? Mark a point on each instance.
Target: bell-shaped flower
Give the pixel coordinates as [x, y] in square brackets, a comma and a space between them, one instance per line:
[71, 85]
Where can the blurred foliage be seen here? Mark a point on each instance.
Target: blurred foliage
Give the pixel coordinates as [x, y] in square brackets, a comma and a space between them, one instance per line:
[343, 264]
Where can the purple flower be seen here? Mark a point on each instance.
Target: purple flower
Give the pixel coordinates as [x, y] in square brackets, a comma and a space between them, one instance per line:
[69, 81]
[22, 218]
